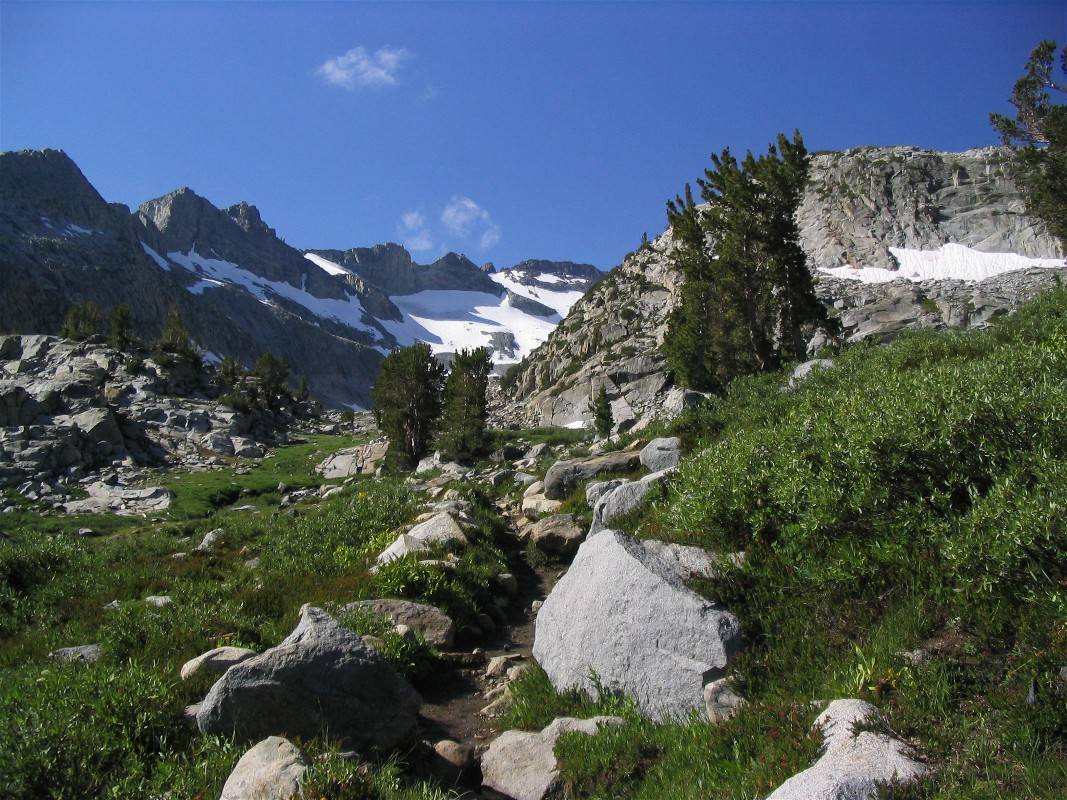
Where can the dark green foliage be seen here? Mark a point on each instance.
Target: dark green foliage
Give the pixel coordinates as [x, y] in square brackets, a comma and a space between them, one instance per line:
[272, 374]
[81, 322]
[747, 295]
[600, 408]
[174, 344]
[462, 435]
[230, 372]
[120, 335]
[1039, 132]
[407, 400]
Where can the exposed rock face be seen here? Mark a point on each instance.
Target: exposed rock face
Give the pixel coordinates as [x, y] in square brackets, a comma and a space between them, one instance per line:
[61, 243]
[321, 677]
[623, 612]
[435, 625]
[391, 268]
[441, 529]
[83, 653]
[523, 765]
[853, 765]
[272, 770]
[70, 409]
[859, 203]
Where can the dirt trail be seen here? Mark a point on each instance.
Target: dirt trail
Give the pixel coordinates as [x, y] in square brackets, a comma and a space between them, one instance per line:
[453, 701]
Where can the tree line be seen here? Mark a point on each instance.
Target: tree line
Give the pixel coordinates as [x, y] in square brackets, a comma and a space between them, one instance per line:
[419, 406]
[265, 386]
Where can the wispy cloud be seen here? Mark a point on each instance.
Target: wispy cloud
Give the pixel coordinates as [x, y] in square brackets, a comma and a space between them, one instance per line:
[461, 213]
[414, 233]
[420, 242]
[359, 67]
[412, 220]
[490, 237]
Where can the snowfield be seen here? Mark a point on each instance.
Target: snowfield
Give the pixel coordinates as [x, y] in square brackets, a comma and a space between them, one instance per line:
[559, 301]
[214, 273]
[452, 320]
[326, 265]
[954, 261]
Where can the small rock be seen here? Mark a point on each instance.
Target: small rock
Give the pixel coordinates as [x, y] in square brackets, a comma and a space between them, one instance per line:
[159, 600]
[663, 453]
[272, 770]
[85, 653]
[557, 534]
[211, 538]
[721, 702]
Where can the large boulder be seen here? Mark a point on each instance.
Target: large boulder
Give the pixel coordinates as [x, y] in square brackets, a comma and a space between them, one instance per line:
[441, 529]
[361, 460]
[563, 477]
[626, 497]
[272, 770]
[623, 612]
[557, 534]
[435, 625]
[321, 678]
[853, 764]
[523, 766]
[662, 453]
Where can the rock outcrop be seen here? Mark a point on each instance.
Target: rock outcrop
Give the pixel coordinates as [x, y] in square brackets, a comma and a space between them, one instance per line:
[623, 612]
[435, 626]
[321, 678]
[858, 205]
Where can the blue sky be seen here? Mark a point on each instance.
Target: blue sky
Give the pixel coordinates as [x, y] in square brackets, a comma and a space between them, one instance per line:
[505, 131]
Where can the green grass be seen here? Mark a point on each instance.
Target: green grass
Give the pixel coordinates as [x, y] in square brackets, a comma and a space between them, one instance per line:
[914, 496]
[115, 729]
[198, 494]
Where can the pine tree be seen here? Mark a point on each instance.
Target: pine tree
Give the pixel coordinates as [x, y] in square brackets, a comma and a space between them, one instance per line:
[1039, 136]
[230, 372]
[273, 376]
[81, 321]
[174, 342]
[600, 408]
[120, 337]
[465, 411]
[407, 400]
[747, 294]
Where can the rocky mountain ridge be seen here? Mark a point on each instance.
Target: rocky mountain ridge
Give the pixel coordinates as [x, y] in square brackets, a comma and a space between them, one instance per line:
[864, 211]
[240, 288]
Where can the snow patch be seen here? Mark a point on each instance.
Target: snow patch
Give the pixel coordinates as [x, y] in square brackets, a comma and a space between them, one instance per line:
[326, 265]
[450, 320]
[161, 262]
[559, 301]
[77, 230]
[214, 272]
[577, 424]
[950, 261]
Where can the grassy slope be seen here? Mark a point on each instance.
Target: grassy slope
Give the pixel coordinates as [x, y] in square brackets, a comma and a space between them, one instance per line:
[914, 495]
[115, 729]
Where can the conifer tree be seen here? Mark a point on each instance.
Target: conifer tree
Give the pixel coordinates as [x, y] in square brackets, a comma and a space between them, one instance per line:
[465, 411]
[407, 400]
[747, 293]
[273, 376]
[600, 408]
[174, 341]
[120, 336]
[230, 372]
[81, 321]
[1039, 135]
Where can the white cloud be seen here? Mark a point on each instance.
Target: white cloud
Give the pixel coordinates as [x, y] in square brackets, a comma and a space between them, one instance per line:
[461, 213]
[490, 237]
[412, 220]
[420, 242]
[358, 67]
